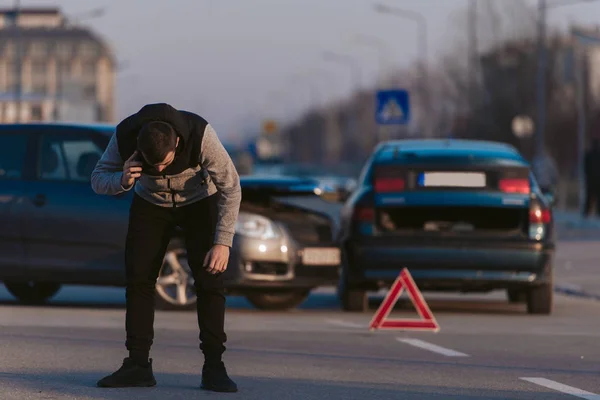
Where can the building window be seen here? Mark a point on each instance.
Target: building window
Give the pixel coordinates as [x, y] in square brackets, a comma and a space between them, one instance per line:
[38, 49]
[36, 112]
[89, 71]
[39, 77]
[64, 68]
[64, 49]
[9, 50]
[39, 88]
[39, 70]
[89, 91]
[88, 49]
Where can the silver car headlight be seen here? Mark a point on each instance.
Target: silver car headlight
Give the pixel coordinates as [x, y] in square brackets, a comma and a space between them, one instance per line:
[256, 226]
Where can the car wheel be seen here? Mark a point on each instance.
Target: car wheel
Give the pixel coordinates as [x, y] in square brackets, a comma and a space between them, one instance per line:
[354, 300]
[277, 301]
[540, 299]
[351, 298]
[516, 296]
[175, 284]
[32, 292]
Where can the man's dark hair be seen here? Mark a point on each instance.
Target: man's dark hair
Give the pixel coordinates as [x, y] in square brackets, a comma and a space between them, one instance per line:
[155, 140]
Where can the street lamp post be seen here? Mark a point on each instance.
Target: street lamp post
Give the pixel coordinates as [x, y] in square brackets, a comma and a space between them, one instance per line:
[382, 50]
[349, 61]
[422, 48]
[414, 16]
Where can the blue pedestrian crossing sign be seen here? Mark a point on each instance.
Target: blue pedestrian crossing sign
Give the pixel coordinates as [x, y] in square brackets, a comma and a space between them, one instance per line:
[393, 107]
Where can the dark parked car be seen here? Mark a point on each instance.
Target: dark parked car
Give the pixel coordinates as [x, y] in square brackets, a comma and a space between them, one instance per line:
[464, 216]
[55, 230]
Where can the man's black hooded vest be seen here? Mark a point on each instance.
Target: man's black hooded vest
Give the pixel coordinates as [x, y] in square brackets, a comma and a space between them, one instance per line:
[188, 126]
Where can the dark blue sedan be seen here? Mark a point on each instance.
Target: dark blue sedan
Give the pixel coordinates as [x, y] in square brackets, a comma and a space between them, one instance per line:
[463, 216]
[54, 230]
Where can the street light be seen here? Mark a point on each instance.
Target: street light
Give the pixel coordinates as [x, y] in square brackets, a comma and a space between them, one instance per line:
[543, 7]
[379, 45]
[348, 61]
[414, 16]
[91, 14]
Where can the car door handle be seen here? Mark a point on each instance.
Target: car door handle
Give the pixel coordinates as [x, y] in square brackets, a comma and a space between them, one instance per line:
[39, 200]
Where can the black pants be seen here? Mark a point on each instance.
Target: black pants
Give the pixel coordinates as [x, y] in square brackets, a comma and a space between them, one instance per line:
[150, 230]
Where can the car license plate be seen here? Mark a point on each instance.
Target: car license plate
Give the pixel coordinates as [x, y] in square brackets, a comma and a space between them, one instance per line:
[452, 179]
[321, 256]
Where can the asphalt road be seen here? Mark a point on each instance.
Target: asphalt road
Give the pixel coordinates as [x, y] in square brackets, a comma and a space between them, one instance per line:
[486, 349]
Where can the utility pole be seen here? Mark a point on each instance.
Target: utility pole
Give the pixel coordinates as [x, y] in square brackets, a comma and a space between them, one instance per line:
[541, 79]
[473, 53]
[18, 61]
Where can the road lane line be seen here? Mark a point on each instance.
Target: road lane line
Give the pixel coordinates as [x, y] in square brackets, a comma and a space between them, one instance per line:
[432, 347]
[345, 324]
[559, 387]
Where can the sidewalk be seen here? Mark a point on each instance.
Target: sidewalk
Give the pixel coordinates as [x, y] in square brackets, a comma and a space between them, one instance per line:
[571, 225]
[577, 261]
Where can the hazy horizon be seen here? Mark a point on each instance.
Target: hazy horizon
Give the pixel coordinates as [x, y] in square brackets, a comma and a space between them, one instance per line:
[224, 59]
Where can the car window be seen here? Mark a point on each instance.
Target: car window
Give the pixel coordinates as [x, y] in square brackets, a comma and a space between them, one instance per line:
[13, 147]
[68, 157]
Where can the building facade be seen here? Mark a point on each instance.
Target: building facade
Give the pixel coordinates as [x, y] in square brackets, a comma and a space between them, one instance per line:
[51, 70]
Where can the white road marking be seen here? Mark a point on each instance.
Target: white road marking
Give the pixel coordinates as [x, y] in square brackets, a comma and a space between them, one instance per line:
[345, 324]
[432, 347]
[559, 387]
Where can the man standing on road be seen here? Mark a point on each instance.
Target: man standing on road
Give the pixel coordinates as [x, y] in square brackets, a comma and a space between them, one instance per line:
[182, 176]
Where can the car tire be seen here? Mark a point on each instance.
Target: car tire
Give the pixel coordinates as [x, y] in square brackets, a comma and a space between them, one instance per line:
[32, 292]
[175, 275]
[277, 301]
[540, 299]
[351, 298]
[516, 296]
[354, 300]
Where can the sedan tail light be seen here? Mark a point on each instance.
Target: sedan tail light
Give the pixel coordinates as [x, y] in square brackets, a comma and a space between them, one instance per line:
[540, 216]
[383, 185]
[514, 186]
[364, 214]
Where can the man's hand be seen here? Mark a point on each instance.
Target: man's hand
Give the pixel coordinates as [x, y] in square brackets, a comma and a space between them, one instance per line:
[217, 258]
[131, 171]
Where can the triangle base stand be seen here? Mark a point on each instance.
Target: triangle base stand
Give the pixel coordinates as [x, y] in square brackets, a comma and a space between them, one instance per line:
[426, 322]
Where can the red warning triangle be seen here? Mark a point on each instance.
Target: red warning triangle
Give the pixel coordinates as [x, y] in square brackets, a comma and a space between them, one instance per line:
[427, 321]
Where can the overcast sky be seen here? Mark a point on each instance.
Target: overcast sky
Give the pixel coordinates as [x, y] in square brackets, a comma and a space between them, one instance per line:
[228, 59]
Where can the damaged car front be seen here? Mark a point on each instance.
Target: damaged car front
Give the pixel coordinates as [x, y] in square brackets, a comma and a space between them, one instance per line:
[283, 248]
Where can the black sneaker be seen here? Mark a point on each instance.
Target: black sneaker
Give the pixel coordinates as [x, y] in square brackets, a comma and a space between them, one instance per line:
[130, 374]
[215, 378]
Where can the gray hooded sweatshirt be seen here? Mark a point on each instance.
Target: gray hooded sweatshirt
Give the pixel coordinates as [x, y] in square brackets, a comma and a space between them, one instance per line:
[214, 173]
